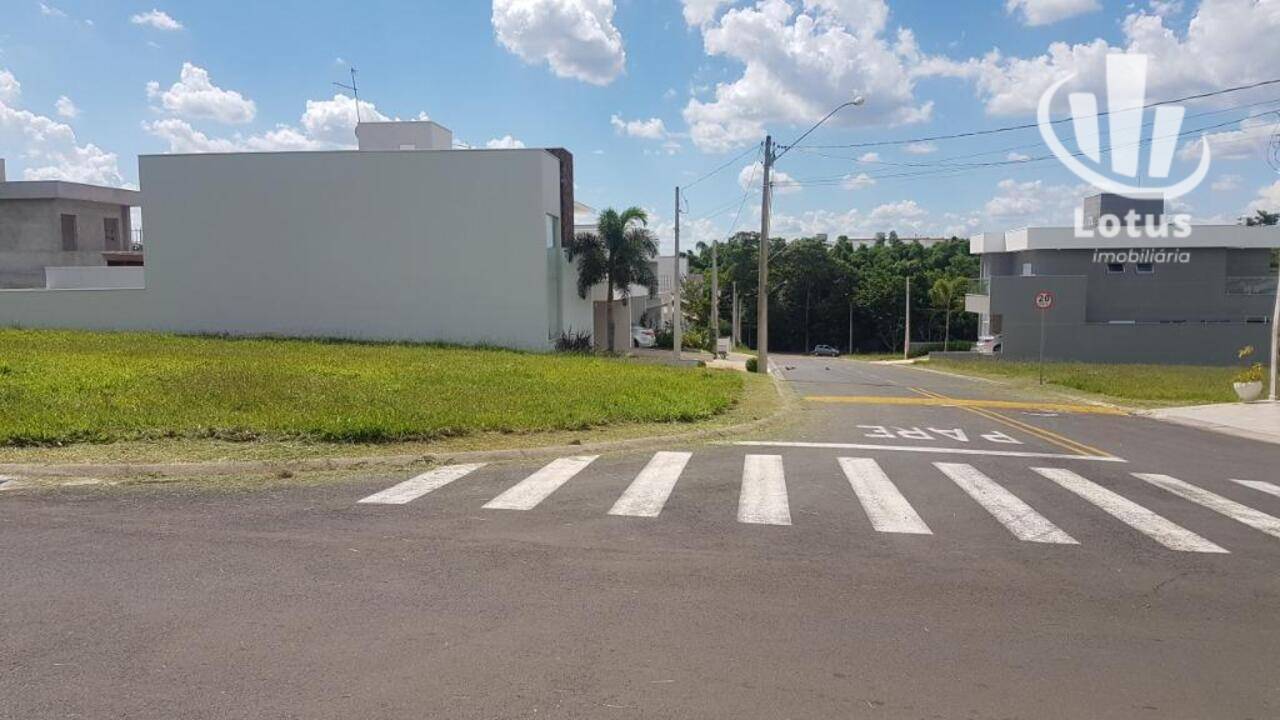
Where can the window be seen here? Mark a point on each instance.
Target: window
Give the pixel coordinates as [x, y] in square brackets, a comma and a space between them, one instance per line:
[1026, 270]
[1145, 268]
[111, 233]
[70, 238]
[1115, 268]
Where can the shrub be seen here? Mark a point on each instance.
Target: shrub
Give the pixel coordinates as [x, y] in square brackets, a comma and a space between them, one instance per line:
[919, 349]
[753, 365]
[573, 342]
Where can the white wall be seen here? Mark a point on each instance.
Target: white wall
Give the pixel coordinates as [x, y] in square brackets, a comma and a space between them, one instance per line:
[443, 246]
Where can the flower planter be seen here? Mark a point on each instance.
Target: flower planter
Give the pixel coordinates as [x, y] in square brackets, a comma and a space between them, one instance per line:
[1248, 391]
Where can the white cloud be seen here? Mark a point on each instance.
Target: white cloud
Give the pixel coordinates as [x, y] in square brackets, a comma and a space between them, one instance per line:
[49, 149]
[195, 96]
[857, 182]
[1226, 183]
[1268, 199]
[1017, 157]
[182, 138]
[10, 88]
[1165, 8]
[752, 176]
[920, 148]
[906, 217]
[701, 12]
[1250, 141]
[1046, 12]
[797, 66]
[506, 142]
[51, 11]
[651, 129]
[66, 108]
[1226, 42]
[324, 125]
[870, 157]
[157, 19]
[576, 38]
[334, 121]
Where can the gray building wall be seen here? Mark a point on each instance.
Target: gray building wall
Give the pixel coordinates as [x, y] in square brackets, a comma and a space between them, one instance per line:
[1070, 334]
[31, 237]
[1193, 291]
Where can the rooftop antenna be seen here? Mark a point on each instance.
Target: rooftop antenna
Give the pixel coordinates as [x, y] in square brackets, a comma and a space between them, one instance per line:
[355, 90]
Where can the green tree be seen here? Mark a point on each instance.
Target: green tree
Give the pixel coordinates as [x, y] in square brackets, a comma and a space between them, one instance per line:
[1262, 217]
[619, 254]
[947, 296]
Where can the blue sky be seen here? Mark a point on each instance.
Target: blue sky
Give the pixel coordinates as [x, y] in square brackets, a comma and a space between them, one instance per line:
[649, 94]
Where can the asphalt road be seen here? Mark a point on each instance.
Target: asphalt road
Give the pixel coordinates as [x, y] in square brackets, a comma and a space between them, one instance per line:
[978, 588]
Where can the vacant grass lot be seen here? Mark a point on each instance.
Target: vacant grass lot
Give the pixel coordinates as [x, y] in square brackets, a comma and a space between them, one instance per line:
[64, 386]
[1145, 384]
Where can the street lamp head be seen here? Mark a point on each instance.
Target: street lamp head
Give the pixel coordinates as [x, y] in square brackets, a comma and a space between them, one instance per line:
[858, 100]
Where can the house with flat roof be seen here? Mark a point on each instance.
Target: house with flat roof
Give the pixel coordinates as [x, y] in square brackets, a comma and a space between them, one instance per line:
[405, 238]
[1128, 284]
[55, 225]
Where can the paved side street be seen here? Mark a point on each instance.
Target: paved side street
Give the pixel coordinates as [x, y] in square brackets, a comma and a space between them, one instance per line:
[916, 545]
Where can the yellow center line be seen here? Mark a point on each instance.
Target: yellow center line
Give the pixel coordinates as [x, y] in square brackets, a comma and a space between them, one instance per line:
[1042, 433]
[936, 400]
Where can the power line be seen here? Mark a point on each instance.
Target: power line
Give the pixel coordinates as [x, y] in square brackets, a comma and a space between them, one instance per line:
[1028, 126]
[731, 161]
[965, 167]
[1011, 148]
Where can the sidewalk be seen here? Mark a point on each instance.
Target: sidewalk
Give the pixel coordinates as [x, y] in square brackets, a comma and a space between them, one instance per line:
[1256, 421]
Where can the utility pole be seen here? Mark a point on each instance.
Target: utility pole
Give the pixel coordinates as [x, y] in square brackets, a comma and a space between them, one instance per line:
[762, 299]
[675, 316]
[735, 331]
[1275, 343]
[850, 348]
[715, 300]
[906, 341]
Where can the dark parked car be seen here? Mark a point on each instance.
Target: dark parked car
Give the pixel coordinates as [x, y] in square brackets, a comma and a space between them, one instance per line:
[824, 351]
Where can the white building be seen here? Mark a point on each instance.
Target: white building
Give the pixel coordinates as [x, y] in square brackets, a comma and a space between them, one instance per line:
[419, 242]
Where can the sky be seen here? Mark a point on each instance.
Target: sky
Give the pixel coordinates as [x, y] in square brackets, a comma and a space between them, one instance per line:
[653, 94]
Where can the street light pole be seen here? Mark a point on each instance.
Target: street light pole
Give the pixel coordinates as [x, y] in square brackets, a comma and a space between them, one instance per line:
[762, 293]
[675, 316]
[766, 201]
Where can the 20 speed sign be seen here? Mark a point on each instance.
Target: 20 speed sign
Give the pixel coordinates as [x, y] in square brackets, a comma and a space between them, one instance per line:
[1044, 300]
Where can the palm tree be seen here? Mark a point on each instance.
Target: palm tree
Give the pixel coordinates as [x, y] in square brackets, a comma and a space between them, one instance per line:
[617, 254]
[946, 295]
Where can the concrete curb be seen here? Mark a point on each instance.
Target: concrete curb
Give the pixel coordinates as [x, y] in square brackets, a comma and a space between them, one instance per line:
[18, 471]
[1083, 400]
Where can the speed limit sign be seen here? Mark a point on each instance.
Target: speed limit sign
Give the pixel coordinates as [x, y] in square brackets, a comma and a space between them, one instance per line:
[1044, 300]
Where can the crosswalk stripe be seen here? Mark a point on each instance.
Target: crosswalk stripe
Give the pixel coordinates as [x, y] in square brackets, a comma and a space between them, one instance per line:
[763, 500]
[416, 487]
[649, 491]
[885, 506]
[1021, 520]
[1255, 519]
[526, 494]
[1260, 486]
[1130, 513]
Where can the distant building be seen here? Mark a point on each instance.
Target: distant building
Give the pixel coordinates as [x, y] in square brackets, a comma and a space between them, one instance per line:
[54, 224]
[1194, 299]
[403, 239]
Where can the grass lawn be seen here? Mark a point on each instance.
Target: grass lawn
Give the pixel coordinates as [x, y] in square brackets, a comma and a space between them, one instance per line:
[1131, 384]
[61, 387]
